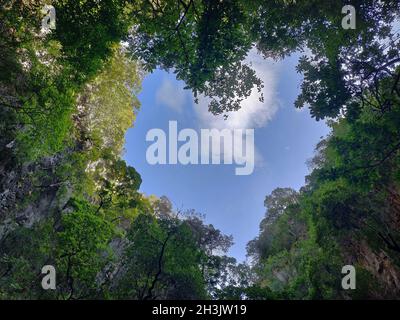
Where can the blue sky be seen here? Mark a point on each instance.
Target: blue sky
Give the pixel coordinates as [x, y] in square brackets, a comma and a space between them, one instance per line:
[284, 139]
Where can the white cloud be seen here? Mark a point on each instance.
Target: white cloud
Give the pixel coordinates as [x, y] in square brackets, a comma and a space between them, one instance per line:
[253, 113]
[172, 95]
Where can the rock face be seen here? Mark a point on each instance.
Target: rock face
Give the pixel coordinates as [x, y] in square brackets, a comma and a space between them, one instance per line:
[24, 199]
[381, 266]
[378, 253]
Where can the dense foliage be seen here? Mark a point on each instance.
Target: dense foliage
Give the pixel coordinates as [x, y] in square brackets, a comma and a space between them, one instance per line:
[68, 199]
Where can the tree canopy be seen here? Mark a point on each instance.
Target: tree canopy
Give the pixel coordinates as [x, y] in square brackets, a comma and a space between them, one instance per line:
[67, 197]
